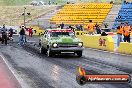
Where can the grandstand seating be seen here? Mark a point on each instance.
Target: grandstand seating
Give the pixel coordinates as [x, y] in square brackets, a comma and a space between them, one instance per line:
[81, 13]
[124, 15]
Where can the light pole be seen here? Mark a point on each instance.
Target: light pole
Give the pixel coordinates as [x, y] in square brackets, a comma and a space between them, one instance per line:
[24, 16]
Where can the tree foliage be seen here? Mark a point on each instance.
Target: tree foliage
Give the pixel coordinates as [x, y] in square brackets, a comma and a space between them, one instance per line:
[14, 2]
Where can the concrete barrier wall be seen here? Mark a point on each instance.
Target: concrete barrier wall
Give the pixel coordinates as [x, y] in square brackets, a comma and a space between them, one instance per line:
[96, 41]
[125, 48]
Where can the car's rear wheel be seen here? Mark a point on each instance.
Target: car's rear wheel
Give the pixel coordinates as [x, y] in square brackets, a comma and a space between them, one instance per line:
[79, 53]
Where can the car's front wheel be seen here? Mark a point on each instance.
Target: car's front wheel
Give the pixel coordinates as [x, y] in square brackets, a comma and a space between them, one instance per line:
[49, 53]
[42, 50]
[79, 53]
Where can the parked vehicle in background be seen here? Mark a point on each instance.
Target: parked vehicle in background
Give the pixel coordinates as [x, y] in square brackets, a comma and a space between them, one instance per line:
[37, 3]
[14, 32]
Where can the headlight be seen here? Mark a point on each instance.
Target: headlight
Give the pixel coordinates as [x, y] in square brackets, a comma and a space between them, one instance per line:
[80, 44]
[55, 45]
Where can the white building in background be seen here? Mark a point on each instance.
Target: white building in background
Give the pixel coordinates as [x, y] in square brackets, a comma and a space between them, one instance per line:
[34, 2]
[37, 3]
[41, 3]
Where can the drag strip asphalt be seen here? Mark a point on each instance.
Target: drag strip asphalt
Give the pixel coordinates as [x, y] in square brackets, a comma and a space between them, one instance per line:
[40, 71]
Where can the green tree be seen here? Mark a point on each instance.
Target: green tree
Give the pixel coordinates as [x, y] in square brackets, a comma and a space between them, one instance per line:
[14, 2]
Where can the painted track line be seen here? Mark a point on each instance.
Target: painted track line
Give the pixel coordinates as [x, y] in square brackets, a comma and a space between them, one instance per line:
[116, 53]
[9, 79]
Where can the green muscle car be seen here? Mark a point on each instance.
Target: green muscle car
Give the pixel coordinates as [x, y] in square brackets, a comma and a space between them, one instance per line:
[57, 41]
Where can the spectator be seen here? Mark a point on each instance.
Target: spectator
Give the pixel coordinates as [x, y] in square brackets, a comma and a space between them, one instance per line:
[11, 34]
[4, 35]
[72, 28]
[77, 27]
[81, 27]
[111, 2]
[91, 29]
[30, 31]
[124, 2]
[119, 17]
[106, 25]
[119, 33]
[62, 25]
[35, 31]
[58, 27]
[68, 2]
[49, 3]
[22, 35]
[97, 27]
[50, 27]
[126, 32]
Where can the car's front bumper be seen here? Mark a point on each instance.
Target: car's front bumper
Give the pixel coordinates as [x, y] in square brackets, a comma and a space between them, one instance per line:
[67, 49]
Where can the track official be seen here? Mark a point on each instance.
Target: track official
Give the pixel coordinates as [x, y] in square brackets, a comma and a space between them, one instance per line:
[91, 28]
[126, 32]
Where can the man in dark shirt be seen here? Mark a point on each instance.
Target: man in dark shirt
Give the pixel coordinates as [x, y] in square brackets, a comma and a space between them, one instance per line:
[97, 27]
[4, 35]
[62, 25]
[81, 27]
[22, 35]
[106, 25]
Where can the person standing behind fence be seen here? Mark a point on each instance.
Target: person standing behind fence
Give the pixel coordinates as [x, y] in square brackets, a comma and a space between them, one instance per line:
[81, 27]
[22, 35]
[126, 32]
[97, 27]
[91, 29]
[119, 33]
[62, 25]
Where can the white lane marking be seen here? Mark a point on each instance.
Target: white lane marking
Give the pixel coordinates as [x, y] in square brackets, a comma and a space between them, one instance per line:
[13, 71]
[116, 53]
[6, 62]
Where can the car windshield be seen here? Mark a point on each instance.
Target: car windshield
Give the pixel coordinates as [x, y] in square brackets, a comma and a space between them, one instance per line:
[57, 34]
